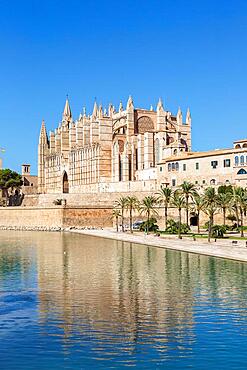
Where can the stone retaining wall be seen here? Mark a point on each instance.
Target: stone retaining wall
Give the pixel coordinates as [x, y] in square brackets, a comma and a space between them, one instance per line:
[56, 217]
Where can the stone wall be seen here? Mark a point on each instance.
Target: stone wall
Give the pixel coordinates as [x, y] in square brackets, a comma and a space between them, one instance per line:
[55, 217]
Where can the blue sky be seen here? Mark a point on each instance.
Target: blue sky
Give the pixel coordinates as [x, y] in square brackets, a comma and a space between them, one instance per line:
[191, 53]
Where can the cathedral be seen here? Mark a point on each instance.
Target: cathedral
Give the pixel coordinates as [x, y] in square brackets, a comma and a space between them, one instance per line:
[110, 148]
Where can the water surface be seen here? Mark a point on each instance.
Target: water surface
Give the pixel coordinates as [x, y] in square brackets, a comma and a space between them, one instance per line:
[69, 301]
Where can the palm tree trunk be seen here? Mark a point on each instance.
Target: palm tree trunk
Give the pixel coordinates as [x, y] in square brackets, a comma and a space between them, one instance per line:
[122, 219]
[210, 224]
[179, 224]
[242, 222]
[198, 222]
[117, 224]
[131, 220]
[187, 210]
[148, 223]
[224, 216]
[166, 217]
[237, 216]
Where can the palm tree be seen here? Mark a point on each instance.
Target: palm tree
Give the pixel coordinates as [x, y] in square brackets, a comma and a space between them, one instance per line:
[116, 214]
[178, 201]
[224, 201]
[210, 207]
[164, 197]
[240, 200]
[121, 203]
[147, 206]
[198, 205]
[131, 204]
[188, 190]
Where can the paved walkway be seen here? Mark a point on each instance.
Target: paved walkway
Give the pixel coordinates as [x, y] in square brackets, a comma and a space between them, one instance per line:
[221, 248]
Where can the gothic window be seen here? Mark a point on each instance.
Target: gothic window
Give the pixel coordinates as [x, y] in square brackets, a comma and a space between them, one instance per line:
[144, 124]
[241, 172]
[157, 150]
[121, 146]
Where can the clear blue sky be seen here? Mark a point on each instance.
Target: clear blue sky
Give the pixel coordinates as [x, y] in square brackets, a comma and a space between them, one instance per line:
[191, 53]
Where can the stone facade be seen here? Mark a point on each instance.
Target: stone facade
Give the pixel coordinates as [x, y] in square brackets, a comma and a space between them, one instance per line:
[212, 168]
[108, 151]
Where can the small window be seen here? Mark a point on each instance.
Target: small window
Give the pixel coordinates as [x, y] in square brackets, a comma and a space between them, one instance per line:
[214, 164]
[241, 159]
[169, 166]
[227, 163]
[177, 166]
[184, 167]
[161, 169]
[197, 166]
[196, 182]
[173, 182]
[236, 161]
[212, 182]
[173, 166]
[204, 181]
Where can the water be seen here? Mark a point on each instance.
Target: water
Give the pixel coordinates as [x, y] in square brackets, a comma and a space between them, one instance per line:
[76, 302]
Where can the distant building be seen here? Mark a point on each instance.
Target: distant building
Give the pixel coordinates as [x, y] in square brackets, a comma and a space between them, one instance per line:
[30, 182]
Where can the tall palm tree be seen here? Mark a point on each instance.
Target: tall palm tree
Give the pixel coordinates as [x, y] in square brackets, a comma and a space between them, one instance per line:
[116, 214]
[210, 207]
[198, 205]
[240, 199]
[188, 190]
[164, 197]
[147, 206]
[179, 202]
[224, 202]
[131, 203]
[121, 203]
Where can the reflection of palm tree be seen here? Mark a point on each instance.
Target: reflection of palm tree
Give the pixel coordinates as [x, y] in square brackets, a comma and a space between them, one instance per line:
[178, 202]
[240, 200]
[164, 197]
[131, 204]
[147, 206]
[188, 190]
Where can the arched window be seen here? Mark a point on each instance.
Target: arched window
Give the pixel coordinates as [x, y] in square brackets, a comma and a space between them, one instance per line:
[245, 145]
[177, 166]
[175, 152]
[237, 146]
[169, 166]
[212, 182]
[236, 160]
[241, 172]
[173, 166]
[241, 159]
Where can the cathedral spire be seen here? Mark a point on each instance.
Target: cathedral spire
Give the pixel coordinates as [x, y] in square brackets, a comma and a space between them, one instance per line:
[95, 110]
[188, 117]
[43, 134]
[130, 104]
[67, 115]
[120, 107]
[160, 105]
[179, 117]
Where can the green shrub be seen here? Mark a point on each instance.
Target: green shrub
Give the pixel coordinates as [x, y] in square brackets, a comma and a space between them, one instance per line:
[151, 226]
[172, 227]
[218, 231]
